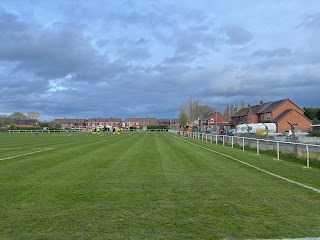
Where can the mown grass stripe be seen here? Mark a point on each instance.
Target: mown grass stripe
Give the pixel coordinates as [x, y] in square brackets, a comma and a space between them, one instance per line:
[257, 168]
[20, 155]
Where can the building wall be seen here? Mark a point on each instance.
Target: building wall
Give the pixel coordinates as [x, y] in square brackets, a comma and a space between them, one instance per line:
[286, 105]
[254, 118]
[294, 117]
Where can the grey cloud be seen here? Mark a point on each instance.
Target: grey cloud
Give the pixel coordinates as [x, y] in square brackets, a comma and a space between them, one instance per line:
[180, 58]
[279, 52]
[55, 52]
[10, 22]
[237, 35]
[134, 53]
[151, 19]
[311, 21]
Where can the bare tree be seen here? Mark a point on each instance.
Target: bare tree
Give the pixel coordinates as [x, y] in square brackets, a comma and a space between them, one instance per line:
[33, 115]
[17, 115]
[183, 117]
[192, 109]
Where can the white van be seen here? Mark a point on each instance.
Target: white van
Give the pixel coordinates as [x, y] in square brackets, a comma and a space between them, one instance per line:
[243, 128]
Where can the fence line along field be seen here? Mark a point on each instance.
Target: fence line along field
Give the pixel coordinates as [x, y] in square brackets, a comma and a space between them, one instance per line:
[149, 186]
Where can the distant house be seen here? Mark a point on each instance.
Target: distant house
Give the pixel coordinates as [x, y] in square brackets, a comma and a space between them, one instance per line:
[68, 123]
[213, 120]
[163, 121]
[101, 122]
[140, 122]
[280, 112]
[173, 123]
[27, 123]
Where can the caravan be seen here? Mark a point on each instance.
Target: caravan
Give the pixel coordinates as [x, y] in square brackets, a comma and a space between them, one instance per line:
[253, 127]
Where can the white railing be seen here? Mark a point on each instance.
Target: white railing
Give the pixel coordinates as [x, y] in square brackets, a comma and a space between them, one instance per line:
[45, 131]
[84, 130]
[258, 144]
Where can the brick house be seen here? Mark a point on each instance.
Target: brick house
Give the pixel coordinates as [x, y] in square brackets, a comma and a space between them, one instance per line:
[173, 123]
[213, 120]
[27, 123]
[68, 123]
[279, 112]
[140, 122]
[95, 122]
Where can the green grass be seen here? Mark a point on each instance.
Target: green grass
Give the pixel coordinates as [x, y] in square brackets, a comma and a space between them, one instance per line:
[148, 186]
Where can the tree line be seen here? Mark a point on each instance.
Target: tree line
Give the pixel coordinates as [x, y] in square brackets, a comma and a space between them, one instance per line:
[192, 109]
[313, 113]
[10, 119]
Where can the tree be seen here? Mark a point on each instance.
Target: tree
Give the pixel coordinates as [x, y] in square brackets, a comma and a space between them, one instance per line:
[55, 125]
[17, 115]
[4, 120]
[33, 115]
[44, 124]
[230, 110]
[311, 112]
[183, 117]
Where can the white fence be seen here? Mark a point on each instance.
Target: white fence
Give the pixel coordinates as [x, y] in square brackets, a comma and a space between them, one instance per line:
[44, 131]
[299, 149]
[84, 130]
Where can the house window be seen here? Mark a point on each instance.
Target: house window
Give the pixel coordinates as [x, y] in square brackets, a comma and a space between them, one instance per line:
[212, 120]
[268, 115]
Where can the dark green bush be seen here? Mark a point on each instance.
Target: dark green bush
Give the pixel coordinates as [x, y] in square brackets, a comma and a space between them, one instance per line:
[159, 126]
[315, 133]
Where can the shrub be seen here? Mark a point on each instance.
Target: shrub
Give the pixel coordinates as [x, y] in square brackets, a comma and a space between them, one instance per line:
[315, 133]
[159, 126]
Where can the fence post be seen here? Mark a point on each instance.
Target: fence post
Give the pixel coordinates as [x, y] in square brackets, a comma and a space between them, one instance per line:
[231, 141]
[278, 150]
[216, 139]
[257, 146]
[223, 140]
[211, 137]
[206, 137]
[307, 156]
[243, 144]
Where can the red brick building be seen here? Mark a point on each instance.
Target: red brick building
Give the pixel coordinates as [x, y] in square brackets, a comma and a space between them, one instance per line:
[68, 123]
[140, 122]
[213, 119]
[280, 112]
[101, 122]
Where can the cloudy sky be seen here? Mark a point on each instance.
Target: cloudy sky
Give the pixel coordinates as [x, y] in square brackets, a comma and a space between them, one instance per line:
[140, 58]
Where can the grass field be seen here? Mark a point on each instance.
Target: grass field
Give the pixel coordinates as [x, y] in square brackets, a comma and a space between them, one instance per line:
[149, 186]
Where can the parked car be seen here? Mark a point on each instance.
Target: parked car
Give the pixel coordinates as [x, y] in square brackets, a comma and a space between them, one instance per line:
[231, 132]
[297, 133]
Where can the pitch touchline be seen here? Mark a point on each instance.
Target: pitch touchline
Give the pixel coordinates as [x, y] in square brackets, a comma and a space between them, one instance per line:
[257, 168]
[1, 159]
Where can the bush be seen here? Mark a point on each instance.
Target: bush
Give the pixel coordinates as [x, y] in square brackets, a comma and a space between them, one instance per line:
[27, 128]
[315, 133]
[159, 126]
